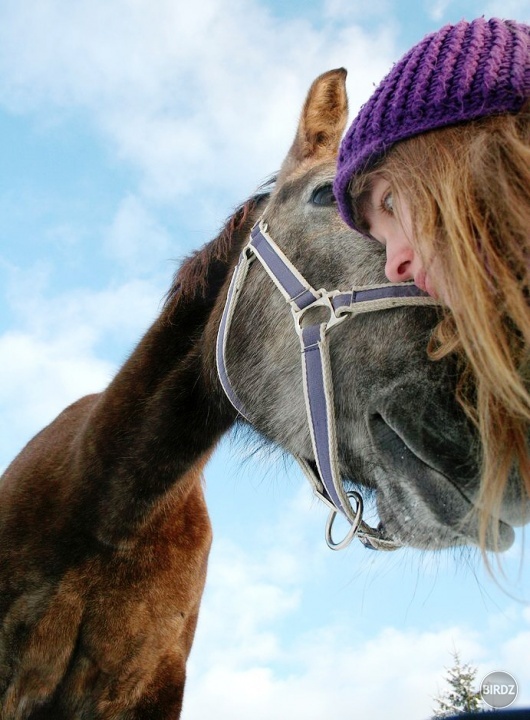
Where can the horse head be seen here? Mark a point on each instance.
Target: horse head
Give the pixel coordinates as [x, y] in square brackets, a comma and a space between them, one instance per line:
[401, 435]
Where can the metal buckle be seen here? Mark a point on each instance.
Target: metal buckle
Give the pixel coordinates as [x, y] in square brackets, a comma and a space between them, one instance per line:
[323, 300]
[352, 532]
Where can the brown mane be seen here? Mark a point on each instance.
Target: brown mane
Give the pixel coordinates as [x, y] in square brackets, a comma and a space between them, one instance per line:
[197, 274]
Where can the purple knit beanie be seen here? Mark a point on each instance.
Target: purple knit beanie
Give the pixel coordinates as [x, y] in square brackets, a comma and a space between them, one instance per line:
[460, 73]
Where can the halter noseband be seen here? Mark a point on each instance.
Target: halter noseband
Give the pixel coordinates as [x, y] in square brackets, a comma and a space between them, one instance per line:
[316, 369]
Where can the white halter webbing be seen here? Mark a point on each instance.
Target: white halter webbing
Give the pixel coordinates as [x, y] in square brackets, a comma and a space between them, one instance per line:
[316, 369]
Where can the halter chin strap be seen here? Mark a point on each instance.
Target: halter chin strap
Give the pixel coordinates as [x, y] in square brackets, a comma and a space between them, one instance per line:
[324, 474]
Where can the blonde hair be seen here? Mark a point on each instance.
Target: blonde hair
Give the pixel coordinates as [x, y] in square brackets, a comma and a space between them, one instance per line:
[468, 189]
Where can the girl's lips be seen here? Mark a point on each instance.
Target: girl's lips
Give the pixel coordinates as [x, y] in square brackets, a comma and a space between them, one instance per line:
[422, 281]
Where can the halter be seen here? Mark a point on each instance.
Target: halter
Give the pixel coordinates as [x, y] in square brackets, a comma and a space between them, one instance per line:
[324, 475]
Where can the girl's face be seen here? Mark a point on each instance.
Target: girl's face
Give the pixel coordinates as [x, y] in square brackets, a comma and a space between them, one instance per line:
[394, 231]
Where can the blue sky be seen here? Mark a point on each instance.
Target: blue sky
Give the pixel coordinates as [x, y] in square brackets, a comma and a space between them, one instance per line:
[130, 129]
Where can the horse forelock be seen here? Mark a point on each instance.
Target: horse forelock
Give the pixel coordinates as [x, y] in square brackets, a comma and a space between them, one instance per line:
[202, 273]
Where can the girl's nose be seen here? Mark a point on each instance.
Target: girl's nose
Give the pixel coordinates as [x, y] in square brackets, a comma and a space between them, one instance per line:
[400, 262]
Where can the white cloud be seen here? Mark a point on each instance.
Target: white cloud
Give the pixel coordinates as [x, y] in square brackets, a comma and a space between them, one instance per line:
[121, 310]
[57, 354]
[194, 96]
[39, 379]
[135, 237]
[438, 9]
[247, 664]
[515, 661]
[253, 657]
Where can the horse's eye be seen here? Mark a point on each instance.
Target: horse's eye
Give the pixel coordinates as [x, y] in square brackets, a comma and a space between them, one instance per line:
[323, 195]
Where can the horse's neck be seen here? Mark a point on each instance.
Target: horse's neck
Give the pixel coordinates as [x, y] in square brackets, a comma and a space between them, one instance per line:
[150, 427]
[161, 415]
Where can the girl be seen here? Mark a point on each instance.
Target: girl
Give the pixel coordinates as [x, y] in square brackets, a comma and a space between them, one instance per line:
[436, 166]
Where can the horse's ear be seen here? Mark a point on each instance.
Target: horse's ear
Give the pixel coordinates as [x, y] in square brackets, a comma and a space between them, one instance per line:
[322, 121]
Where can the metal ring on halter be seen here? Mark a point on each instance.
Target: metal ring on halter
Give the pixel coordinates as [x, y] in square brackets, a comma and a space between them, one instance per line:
[351, 494]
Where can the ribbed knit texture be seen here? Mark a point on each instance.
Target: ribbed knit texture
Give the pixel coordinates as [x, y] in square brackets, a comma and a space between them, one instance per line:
[460, 73]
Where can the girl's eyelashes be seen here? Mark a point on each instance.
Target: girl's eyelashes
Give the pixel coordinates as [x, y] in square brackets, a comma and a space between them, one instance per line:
[387, 203]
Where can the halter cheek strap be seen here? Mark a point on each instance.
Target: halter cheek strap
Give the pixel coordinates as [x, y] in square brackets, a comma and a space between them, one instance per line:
[301, 297]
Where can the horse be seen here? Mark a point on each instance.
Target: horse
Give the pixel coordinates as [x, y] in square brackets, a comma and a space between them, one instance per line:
[104, 531]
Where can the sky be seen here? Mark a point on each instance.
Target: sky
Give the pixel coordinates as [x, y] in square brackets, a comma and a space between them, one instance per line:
[130, 129]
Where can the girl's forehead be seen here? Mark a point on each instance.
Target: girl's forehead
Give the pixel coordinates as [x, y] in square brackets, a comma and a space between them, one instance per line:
[377, 181]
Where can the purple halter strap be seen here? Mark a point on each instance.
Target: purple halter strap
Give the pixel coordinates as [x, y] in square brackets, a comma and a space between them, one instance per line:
[318, 386]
